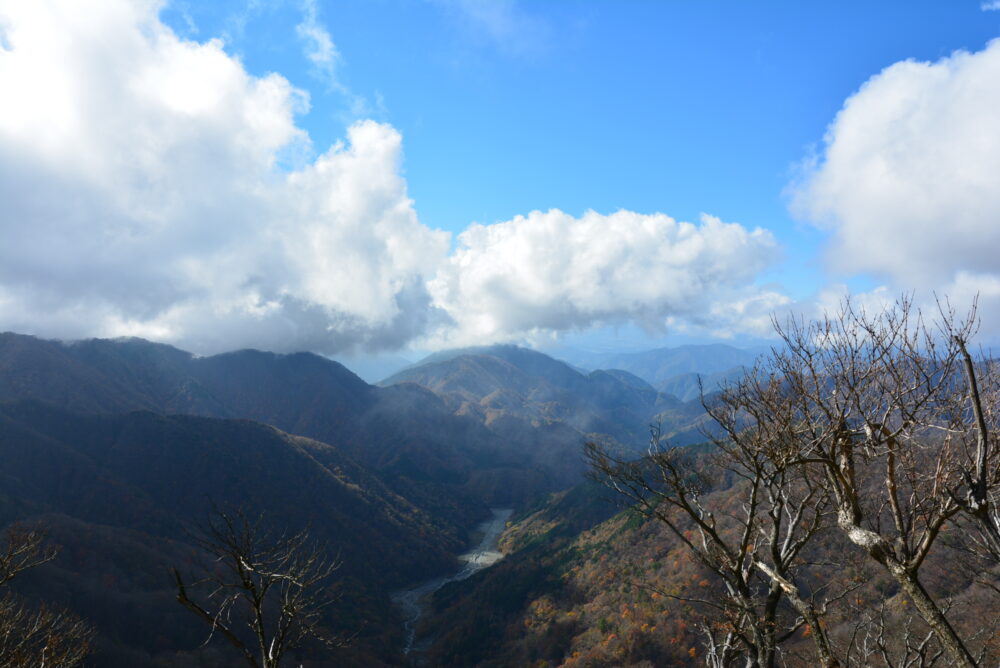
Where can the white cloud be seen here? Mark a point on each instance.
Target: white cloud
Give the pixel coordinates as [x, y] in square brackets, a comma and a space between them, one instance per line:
[991, 5]
[318, 46]
[320, 50]
[549, 272]
[907, 183]
[142, 195]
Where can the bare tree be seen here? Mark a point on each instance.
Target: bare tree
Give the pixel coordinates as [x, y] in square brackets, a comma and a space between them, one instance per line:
[24, 548]
[879, 640]
[977, 421]
[265, 592]
[794, 507]
[889, 634]
[43, 636]
[754, 553]
[868, 406]
[873, 421]
[883, 411]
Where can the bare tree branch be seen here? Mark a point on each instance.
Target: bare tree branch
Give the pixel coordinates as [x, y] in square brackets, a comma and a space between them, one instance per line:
[266, 592]
[42, 636]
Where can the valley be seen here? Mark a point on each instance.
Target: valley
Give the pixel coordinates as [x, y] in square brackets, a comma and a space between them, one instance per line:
[120, 450]
[499, 334]
[412, 601]
[466, 522]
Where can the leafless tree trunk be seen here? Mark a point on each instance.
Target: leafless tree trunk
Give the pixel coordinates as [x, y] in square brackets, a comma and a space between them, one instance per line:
[982, 475]
[265, 592]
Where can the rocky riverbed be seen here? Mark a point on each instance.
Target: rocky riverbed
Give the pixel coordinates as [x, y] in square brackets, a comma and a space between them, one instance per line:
[412, 602]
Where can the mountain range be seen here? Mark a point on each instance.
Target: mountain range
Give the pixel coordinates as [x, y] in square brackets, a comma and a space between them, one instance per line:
[522, 394]
[120, 449]
[676, 370]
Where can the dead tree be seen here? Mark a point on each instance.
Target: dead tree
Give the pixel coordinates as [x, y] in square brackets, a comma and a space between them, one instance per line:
[265, 592]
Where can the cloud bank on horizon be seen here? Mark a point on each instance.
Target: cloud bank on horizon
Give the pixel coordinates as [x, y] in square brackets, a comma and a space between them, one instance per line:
[153, 187]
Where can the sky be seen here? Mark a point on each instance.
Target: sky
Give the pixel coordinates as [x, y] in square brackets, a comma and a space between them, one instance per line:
[364, 177]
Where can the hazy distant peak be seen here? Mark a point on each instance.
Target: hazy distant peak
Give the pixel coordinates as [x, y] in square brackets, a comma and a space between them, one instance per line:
[659, 365]
[525, 360]
[629, 379]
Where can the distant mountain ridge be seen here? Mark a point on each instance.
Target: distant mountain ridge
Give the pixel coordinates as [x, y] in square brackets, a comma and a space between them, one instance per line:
[512, 390]
[119, 447]
[504, 380]
[659, 365]
[404, 432]
[134, 441]
[690, 386]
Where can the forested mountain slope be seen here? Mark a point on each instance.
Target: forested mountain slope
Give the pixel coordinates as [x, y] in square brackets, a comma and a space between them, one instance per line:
[526, 396]
[123, 493]
[499, 381]
[406, 434]
[587, 583]
[121, 449]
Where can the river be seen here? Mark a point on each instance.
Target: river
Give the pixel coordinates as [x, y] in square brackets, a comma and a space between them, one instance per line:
[412, 601]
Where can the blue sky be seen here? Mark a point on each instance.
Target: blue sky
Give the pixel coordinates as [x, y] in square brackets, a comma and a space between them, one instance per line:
[679, 107]
[485, 112]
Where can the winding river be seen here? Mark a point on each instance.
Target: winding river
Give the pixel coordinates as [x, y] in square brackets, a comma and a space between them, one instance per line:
[413, 601]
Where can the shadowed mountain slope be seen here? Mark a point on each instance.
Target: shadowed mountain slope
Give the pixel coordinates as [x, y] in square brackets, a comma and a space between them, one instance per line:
[409, 436]
[141, 482]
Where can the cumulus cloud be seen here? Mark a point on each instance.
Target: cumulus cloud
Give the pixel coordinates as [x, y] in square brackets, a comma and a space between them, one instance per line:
[991, 5]
[146, 192]
[318, 45]
[549, 271]
[907, 180]
[141, 195]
